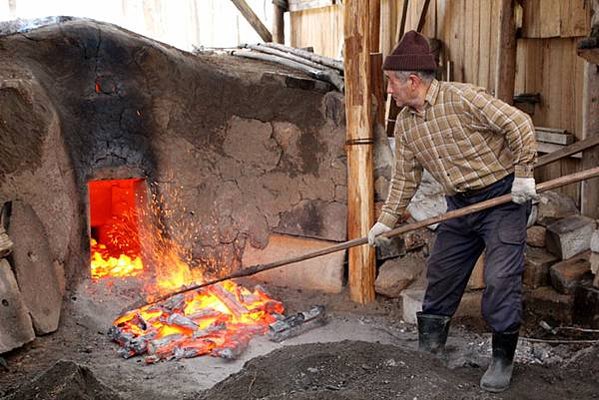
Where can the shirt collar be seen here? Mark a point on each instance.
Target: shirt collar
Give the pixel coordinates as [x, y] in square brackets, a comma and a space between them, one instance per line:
[432, 92]
[430, 97]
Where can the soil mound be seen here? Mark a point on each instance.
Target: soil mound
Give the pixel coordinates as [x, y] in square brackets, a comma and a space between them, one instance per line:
[352, 370]
[344, 370]
[65, 380]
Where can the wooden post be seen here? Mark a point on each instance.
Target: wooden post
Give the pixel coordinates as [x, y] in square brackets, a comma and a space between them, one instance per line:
[376, 62]
[505, 68]
[359, 145]
[590, 158]
[253, 19]
[589, 190]
[378, 87]
[278, 24]
[375, 25]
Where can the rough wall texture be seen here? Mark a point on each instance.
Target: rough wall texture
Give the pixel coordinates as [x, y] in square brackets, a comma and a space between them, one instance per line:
[232, 149]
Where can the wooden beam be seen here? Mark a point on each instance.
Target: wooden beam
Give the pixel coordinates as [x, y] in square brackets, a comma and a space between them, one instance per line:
[253, 19]
[378, 87]
[551, 148]
[402, 23]
[278, 21]
[570, 150]
[422, 19]
[555, 136]
[360, 186]
[505, 69]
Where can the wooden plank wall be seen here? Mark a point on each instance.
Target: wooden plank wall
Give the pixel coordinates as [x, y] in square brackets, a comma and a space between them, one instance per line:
[319, 28]
[551, 68]
[546, 62]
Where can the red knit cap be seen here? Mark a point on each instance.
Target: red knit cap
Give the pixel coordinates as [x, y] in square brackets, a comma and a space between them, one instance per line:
[411, 54]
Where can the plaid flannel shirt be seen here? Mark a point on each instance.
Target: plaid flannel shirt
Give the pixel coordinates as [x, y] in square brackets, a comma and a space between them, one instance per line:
[466, 138]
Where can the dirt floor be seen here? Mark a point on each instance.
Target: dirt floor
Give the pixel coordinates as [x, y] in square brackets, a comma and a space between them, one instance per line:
[361, 353]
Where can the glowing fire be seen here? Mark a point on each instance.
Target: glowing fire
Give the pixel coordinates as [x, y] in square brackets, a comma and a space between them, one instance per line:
[103, 264]
[218, 320]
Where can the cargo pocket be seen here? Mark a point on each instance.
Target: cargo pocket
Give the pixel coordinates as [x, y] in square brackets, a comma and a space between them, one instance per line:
[512, 238]
[512, 227]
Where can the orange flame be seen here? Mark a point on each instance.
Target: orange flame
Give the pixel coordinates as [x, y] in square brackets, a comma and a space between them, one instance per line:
[104, 265]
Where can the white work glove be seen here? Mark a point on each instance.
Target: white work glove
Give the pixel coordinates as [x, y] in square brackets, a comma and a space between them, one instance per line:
[523, 189]
[373, 235]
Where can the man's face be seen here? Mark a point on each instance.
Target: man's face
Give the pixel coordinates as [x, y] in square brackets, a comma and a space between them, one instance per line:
[403, 92]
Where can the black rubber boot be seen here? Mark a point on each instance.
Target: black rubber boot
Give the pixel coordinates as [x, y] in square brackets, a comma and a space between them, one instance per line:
[432, 332]
[498, 375]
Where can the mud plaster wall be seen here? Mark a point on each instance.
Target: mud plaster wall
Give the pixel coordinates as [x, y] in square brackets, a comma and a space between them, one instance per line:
[234, 149]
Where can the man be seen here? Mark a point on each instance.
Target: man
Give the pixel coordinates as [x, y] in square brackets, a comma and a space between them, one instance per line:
[477, 147]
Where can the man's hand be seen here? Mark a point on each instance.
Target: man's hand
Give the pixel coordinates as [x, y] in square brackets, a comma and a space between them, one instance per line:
[373, 236]
[523, 189]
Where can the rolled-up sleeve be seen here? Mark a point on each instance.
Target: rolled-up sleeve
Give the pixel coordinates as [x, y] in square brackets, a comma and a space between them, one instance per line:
[507, 120]
[406, 178]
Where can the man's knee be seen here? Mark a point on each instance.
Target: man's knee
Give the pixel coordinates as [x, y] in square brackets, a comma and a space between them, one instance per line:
[502, 303]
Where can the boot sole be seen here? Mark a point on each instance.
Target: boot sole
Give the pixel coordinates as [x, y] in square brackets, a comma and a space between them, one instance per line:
[493, 389]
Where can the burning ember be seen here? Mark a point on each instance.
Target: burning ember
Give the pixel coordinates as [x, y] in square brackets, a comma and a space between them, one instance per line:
[218, 320]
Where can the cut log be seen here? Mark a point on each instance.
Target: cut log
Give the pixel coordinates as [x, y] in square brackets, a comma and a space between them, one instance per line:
[327, 76]
[228, 299]
[284, 54]
[296, 324]
[326, 61]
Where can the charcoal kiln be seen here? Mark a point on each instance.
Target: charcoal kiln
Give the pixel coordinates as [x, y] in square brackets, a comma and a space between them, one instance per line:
[112, 142]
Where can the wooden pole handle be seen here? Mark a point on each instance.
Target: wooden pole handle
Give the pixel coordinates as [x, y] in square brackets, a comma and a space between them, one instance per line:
[254, 269]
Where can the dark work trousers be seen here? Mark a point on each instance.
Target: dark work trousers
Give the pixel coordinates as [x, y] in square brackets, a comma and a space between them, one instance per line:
[501, 233]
